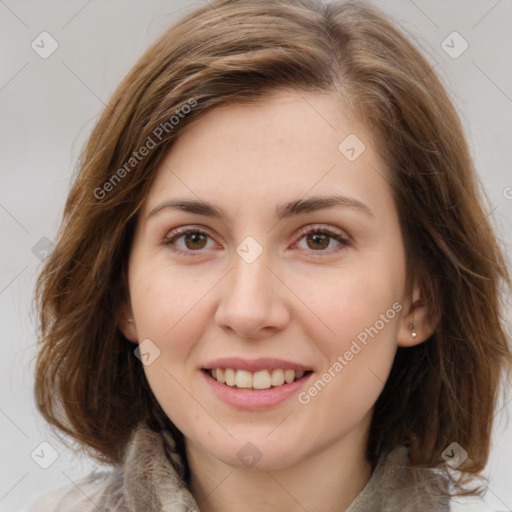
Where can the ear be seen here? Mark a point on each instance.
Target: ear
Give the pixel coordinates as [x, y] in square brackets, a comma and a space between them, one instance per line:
[127, 323]
[416, 326]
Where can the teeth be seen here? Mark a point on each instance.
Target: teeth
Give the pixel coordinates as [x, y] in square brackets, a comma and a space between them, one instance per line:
[277, 377]
[230, 376]
[243, 379]
[220, 375]
[262, 379]
[289, 375]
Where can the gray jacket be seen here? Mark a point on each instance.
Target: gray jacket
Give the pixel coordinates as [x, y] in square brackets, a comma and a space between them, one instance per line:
[148, 482]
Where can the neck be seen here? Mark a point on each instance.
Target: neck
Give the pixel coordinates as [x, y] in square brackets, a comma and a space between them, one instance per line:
[326, 481]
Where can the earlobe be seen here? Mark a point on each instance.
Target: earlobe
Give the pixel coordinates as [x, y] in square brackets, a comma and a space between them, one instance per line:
[416, 326]
[127, 324]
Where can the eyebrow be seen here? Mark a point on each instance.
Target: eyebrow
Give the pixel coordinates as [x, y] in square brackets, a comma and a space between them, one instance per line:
[300, 206]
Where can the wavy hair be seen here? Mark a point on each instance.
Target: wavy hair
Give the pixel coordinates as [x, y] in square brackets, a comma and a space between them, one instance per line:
[88, 382]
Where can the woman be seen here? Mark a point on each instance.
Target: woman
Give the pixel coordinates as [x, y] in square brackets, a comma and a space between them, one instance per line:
[275, 284]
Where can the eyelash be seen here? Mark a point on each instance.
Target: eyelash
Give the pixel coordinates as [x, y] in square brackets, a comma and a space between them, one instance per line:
[304, 231]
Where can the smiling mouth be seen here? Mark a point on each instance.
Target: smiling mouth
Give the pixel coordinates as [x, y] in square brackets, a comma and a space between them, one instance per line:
[262, 379]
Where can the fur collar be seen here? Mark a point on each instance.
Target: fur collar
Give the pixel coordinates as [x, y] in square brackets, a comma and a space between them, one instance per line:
[150, 480]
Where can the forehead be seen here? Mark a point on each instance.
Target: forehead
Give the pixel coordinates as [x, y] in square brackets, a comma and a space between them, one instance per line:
[287, 145]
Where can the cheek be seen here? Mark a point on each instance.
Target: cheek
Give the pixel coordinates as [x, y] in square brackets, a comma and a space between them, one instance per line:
[354, 321]
[357, 362]
[343, 302]
[169, 307]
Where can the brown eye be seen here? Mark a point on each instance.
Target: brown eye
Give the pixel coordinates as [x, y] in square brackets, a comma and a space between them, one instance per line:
[318, 241]
[195, 241]
[189, 241]
[322, 240]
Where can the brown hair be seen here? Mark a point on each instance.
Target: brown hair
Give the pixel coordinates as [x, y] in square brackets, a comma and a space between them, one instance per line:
[90, 385]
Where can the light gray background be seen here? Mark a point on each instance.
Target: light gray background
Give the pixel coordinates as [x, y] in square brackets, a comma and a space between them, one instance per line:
[48, 107]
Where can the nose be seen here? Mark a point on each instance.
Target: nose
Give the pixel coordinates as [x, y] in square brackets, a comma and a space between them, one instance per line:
[253, 300]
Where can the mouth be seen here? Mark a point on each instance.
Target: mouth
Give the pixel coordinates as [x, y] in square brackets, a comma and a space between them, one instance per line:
[258, 380]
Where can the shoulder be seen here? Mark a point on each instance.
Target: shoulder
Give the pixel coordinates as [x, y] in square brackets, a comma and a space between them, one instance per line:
[396, 486]
[85, 495]
[148, 478]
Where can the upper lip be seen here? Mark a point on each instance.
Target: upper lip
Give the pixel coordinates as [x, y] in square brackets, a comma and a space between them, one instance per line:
[254, 365]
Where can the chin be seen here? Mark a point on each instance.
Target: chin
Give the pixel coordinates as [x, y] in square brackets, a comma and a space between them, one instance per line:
[258, 455]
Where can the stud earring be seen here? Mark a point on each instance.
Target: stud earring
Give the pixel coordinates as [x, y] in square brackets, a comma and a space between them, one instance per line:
[131, 320]
[413, 334]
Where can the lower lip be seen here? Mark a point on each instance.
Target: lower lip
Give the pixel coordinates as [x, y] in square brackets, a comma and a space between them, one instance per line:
[251, 399]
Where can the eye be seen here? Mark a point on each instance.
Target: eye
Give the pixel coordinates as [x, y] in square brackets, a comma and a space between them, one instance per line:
[322, 239]
[187, 240]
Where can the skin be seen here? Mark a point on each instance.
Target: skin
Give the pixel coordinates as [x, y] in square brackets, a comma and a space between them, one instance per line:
[300, 300]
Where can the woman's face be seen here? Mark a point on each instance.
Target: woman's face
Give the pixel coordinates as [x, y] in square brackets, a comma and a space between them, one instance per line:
[269, 242]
